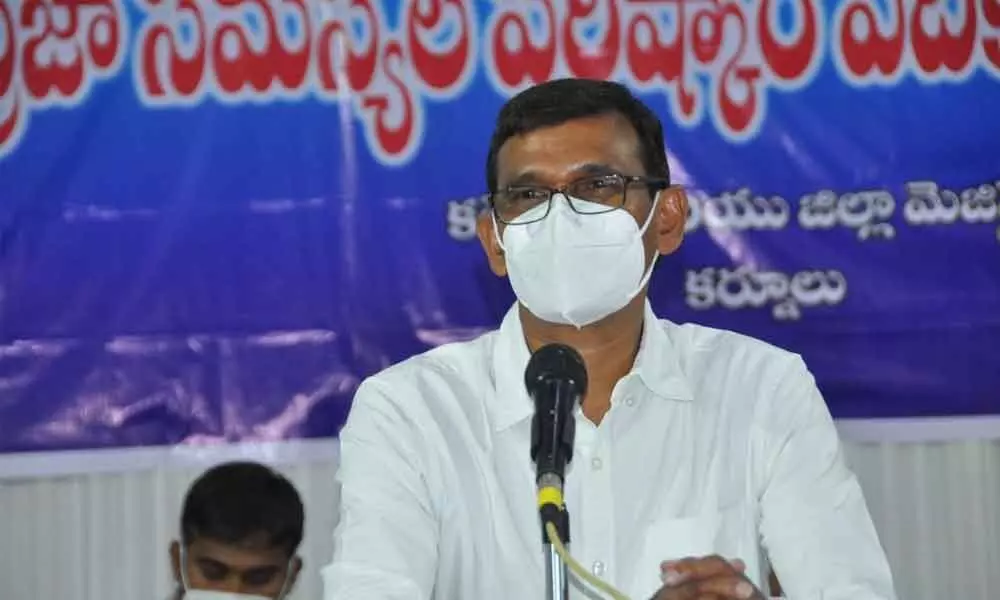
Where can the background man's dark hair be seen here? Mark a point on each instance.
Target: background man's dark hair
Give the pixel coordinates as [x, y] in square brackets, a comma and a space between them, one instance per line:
[234, 502]
[556, 102]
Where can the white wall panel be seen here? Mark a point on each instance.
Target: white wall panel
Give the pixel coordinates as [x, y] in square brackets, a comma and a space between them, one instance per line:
[105, 536]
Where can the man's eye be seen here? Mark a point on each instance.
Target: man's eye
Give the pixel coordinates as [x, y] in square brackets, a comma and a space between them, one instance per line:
[259, 577]
[212, 571]
[600, 183]
[526, 194]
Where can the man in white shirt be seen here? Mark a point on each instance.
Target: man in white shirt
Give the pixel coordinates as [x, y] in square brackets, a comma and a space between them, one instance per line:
[701, 457]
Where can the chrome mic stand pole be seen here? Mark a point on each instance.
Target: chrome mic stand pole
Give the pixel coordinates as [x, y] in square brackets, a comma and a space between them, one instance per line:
[556, 571]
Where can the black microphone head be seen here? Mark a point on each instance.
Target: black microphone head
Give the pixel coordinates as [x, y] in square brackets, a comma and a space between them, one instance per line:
[556, 362]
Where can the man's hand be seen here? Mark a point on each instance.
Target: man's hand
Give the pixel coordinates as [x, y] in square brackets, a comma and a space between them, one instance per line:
[709, 578]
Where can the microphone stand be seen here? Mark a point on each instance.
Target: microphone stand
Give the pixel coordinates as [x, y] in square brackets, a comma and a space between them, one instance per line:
[556, 379]
[556, 571]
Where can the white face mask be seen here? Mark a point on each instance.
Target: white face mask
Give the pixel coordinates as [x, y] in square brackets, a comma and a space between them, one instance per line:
[192, 594]
[575, 269]
[213, 595]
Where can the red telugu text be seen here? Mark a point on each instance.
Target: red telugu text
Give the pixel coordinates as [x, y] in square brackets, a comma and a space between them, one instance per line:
[720, 57]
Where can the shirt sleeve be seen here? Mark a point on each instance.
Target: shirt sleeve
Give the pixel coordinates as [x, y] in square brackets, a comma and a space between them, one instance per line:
[385, 543]
[815, 525]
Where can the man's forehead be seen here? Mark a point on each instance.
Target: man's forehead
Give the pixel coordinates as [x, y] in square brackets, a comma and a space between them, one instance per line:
[237, 555]
[577, 147]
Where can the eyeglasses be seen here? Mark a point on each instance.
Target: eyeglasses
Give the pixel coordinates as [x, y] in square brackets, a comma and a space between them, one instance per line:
[602, 193]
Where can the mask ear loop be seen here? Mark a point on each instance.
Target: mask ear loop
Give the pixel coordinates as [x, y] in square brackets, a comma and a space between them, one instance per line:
[496, 230]
[288, 575]
[656, 255]
[183, 569]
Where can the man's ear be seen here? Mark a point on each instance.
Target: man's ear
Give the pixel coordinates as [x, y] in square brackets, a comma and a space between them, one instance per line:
[670, 219]
[491, 245]
[175, 562]
[293, 574]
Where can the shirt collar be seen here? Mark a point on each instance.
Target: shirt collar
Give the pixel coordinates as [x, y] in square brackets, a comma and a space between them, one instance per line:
[657, 364]
[511, 403]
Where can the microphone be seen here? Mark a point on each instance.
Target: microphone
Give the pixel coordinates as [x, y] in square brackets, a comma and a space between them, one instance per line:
[556, 379]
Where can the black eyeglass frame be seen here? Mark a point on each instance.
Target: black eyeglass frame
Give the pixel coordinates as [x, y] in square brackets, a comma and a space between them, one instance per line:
[653, 185]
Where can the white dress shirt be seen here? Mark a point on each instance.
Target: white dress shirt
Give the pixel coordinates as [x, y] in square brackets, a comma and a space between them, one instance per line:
[715, 443]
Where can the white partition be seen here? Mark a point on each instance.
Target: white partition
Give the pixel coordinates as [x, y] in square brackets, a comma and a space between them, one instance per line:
[105, 536]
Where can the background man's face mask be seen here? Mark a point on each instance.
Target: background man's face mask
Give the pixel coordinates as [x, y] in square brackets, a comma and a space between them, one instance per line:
[576, 269]
[216, 595]
[194, 594]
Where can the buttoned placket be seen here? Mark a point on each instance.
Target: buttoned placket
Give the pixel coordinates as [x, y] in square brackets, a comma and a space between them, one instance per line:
[597, 547]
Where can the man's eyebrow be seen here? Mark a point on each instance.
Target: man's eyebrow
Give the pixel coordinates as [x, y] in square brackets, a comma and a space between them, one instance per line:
[526, 177]
[204, 560]
[595, 169]
[262, 568]
[532, 177]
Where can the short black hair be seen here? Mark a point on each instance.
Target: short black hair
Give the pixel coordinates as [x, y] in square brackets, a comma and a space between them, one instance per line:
[561, 100]
[235, 501]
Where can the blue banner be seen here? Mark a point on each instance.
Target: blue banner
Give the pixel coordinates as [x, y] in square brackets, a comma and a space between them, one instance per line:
[218, 216]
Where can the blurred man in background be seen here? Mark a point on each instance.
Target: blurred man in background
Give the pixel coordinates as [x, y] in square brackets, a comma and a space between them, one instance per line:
[241, 526]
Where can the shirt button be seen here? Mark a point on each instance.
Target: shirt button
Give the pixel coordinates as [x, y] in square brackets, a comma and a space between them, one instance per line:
[596, 463]
[629, 402]
[597, 568]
